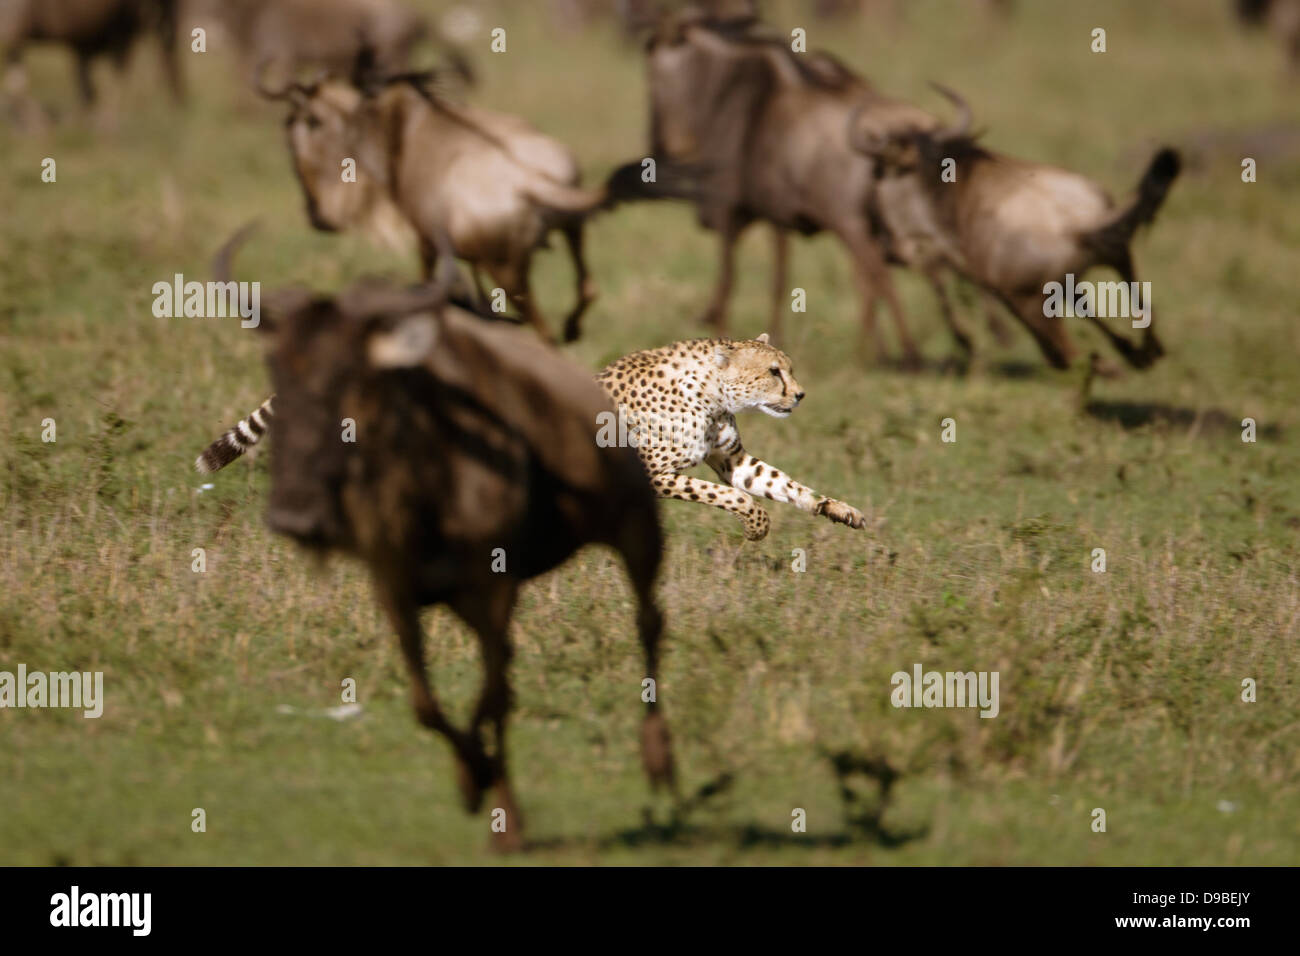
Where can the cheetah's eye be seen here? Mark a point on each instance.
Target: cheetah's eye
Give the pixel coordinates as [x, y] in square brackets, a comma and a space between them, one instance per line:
[775, 371]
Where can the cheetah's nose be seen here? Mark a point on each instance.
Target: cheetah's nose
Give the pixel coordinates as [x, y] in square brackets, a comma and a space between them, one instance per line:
[798, 396]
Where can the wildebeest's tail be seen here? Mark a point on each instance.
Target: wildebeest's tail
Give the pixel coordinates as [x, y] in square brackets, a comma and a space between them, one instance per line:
[672, 180]
[1151, 192]
[625, 184]
[246, 433]
[567, 199]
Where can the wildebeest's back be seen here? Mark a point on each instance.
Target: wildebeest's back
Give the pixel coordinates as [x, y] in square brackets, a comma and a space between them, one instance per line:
[79, 22]
[491, 444]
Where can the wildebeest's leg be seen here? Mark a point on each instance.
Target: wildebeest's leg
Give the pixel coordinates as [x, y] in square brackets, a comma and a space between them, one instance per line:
[873, 279]
[993, 318]
[1048, 331]
[428, 257]
[870, 332]
[29, 112]
[106, 110]
[472, 764]
[640, 543]
[963, 338]
[880, 278]
[1139, 356]
[488, 612]
[85, 82]
[716, 312]
[168, 33]
[780, 278]
[686, 488]
[484, 300]
[513, 278]
[478, 285]
[586, 287]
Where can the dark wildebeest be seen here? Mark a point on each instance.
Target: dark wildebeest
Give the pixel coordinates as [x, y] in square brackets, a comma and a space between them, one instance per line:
[634, 16]
[490, 181]
[91, 28]
[291, 35]
[1282, 17]
[759, 133]
[1013, 226]
[474, 468]
[890, 9]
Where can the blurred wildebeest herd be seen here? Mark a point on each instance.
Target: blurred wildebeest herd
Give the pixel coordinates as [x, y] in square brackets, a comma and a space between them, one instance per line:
[478, 465]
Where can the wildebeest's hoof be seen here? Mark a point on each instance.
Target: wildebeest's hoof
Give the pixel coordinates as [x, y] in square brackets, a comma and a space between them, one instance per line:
[472, 780]
[657, 750]
[508, 842]
[507, 821]
[471, 795]
[1150, 351]
[911, 361]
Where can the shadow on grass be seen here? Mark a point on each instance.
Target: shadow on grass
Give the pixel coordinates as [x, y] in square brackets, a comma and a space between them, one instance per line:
[1012, 369]
[1139, 414]
[862, 822]
[958, 366]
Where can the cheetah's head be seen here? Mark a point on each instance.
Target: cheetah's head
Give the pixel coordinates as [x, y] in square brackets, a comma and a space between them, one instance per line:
[756, 375]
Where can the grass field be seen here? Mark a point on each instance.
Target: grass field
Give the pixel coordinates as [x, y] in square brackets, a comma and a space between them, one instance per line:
[1118, 690]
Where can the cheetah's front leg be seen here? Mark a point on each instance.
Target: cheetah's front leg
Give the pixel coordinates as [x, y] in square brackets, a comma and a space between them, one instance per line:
[686, 488]
[750, 474]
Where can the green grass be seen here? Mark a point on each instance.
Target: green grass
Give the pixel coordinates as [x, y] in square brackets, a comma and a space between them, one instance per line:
[1118, 690]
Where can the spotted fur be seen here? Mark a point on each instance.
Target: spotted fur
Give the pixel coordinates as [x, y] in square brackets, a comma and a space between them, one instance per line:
[680, 402]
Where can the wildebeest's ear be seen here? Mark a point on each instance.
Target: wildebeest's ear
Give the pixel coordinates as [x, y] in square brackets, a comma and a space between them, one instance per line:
[762, 338]
[277, 305]
[962, 126]
[407, 345]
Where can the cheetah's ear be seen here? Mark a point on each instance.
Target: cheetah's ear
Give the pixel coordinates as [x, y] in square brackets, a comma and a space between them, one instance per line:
[762, 338]
[720, 357]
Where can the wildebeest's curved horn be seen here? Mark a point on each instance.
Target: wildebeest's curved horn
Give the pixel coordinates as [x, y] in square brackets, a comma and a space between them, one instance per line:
[290, 91]
[221, 261]
[962, 126]
[259, 83]
[274, 304]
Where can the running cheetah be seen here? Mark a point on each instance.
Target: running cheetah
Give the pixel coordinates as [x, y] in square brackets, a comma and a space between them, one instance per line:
[679, 403]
